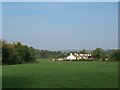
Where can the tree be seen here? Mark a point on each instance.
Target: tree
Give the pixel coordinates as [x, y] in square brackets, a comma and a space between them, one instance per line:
[98, 54]
[17, 53]
[83, 51]
[5, 53]
[115, 55]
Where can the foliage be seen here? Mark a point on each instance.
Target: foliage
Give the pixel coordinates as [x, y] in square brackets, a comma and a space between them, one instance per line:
[0, 56]
[83, 51]
[17, 53]
[115, 55]
[99, 54]
[49, 54]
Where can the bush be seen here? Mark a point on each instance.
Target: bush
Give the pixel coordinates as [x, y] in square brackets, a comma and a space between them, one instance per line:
[17, 53]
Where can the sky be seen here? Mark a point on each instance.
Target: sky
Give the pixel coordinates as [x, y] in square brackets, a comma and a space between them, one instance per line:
[60, 0]
[62, 25]
[0, 20]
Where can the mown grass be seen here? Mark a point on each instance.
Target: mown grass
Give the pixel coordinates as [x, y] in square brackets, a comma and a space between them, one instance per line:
[61, 74]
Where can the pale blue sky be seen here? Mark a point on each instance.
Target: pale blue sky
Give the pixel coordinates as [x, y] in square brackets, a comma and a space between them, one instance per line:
[60, 0]
[62, 26]
[0, 20]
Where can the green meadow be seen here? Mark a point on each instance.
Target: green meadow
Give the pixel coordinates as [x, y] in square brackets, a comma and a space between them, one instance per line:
[61, 74]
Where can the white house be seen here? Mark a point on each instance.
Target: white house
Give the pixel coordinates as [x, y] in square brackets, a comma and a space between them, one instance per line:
[76, 56]
[71, 57]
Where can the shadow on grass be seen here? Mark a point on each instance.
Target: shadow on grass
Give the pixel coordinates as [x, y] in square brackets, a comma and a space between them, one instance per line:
[16, 82]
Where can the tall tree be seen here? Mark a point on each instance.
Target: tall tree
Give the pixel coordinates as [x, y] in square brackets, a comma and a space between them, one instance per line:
[98, 54]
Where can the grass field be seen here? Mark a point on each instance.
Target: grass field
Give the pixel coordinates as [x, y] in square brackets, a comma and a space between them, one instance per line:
[61, 74]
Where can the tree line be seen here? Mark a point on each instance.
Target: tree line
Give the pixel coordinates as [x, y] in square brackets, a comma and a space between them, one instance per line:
[17, 53]
[100, 54]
